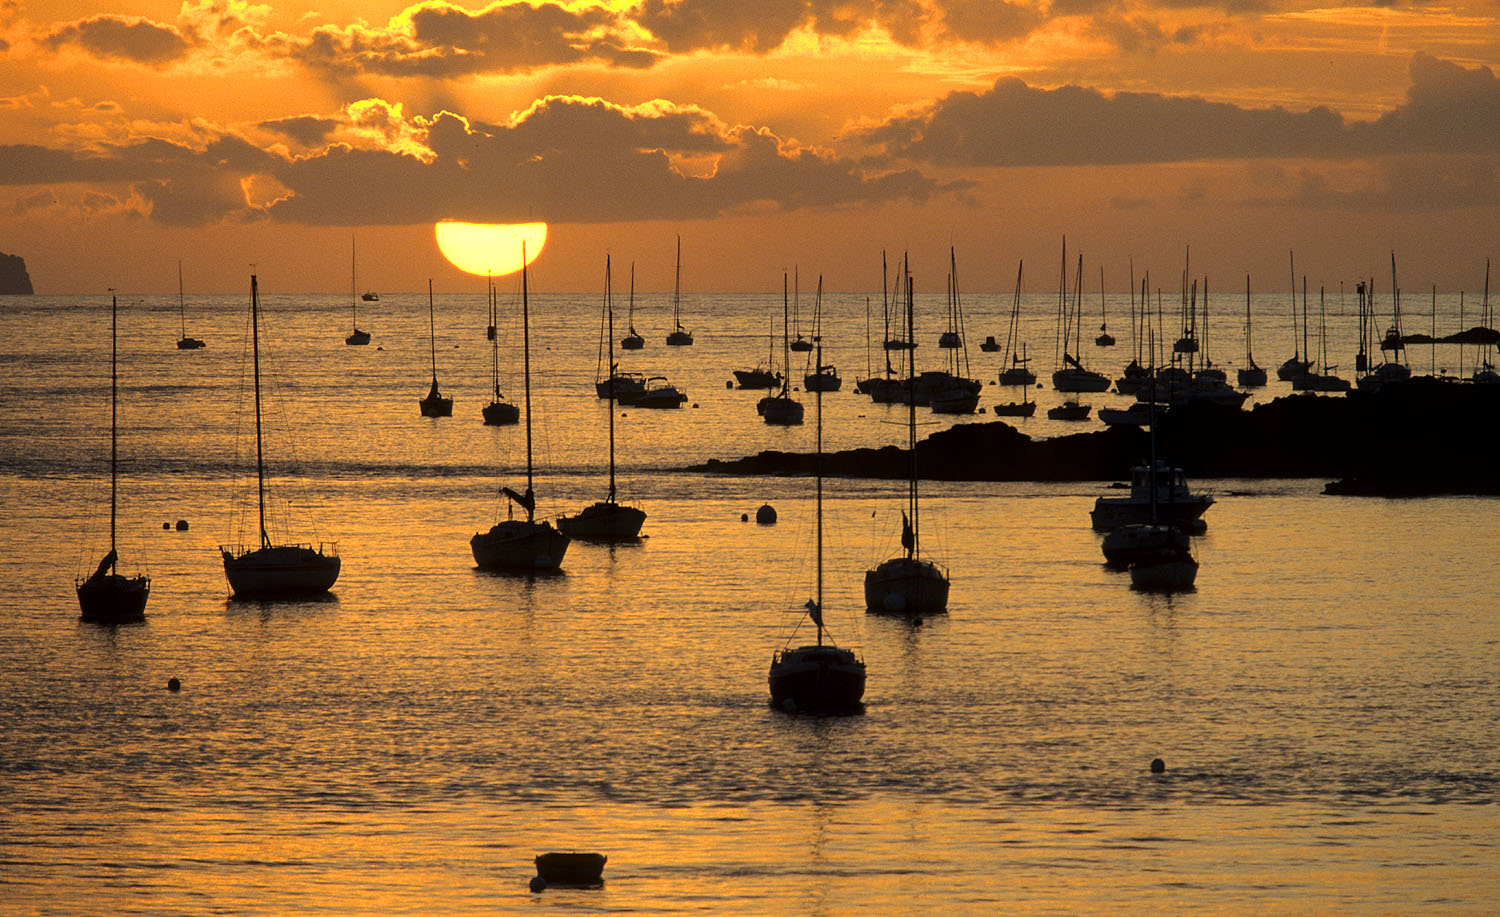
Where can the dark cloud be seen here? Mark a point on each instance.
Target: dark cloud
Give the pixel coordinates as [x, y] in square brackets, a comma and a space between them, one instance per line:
[1448, 109]
[1408, 184]
[307, 130]
[125, 38]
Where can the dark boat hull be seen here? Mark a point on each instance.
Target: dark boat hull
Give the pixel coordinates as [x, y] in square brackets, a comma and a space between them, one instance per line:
[436, 407]
[515, 545]
[113, 599]
[500, 414]
[571, 868]
[604, 521]
[817, 679]
[287, 570]
[906, 586]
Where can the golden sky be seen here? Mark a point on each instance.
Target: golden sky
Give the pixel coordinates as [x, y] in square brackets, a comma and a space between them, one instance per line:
[815, 132]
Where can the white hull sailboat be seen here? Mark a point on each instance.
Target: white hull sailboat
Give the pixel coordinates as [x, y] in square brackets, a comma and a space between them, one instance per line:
[273, 570]
[606, 520]
[907, 584]
[107, 596]
[517, 545]
[817, 678]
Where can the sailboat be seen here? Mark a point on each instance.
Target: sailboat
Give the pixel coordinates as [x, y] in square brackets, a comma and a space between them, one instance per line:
[1017, 373]
[781, 408]
[1105, 339]
[801, 344]
[824, 377]
[269, 569]
[680, 336]
[1071, 376]
[1295, 365]
[633, 340]
[433, 404]
[356, 337]
[820, 677]
[907, 584]
[499, 412]
[107, 596]
[515, 544]
[1250, 376]
[184, 342]
[764, 375]
[1159, 555]
[952, 392]
[606, 520]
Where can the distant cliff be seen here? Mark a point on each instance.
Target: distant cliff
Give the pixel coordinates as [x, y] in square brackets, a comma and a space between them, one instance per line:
[13, 276]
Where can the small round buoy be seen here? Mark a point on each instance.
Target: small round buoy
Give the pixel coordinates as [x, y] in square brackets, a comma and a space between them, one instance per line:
[766, 515]
[173, 684]
[182, 525]
[1158, 766]
[728, 384]
[695, 405]
[538, 883]
[744, 517]
[166, 526]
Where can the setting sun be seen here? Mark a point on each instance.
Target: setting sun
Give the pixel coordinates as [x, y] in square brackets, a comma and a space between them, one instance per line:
[490, 248]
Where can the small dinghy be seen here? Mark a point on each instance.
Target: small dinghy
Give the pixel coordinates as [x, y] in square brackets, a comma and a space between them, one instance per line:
[571, 868]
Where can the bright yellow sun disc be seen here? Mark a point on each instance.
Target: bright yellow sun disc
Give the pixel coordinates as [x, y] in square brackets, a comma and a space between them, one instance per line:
[490, 248]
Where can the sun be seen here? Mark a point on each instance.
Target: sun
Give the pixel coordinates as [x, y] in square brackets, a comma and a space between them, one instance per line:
[489, 248]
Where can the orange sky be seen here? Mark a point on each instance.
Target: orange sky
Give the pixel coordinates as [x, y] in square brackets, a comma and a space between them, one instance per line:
[766, 134]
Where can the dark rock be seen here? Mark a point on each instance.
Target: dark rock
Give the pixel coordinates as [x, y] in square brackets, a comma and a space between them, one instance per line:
[13, 277]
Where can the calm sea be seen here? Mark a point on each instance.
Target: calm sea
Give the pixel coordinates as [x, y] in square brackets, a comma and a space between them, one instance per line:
[1325, 701]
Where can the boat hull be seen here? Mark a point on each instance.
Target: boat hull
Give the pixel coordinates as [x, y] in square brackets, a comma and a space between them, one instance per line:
[604, 521]
[1112, 512]
[113, 599]
[1079, 380]
[1129, 543]
[436, 407]
[1164, 575]
[357, 338]
[780, 410]
[500, 414]
[817, 679]
[1015, 409]
[520, 546]
[280, 570]
[826, 381]
[571, 868]
[756, 378]
[680, 339]
[189, 344]
[906, 586]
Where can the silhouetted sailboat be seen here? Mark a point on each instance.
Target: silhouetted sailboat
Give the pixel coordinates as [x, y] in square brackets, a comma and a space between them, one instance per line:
[606, 520]
[907, 584]
[680, 336]
[269, 569]
[1071, 376]
[801, 344]
[1251, 375]
[633, 340]
[1016, 373]
[824, 377]
[106, 596]
[498, 412]
[525, 545]
[433, 404]
[781, 408]
[1105, 339]
[819, 677]
[184, 342]
[356, 337]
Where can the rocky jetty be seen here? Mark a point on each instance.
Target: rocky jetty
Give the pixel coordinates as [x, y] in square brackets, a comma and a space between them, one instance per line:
[13, 276]
[1422, 437]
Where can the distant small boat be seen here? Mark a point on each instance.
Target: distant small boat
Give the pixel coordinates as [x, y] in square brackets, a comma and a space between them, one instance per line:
[1175, 503]
[781, 408]
[659, 393]
[577, 869]
[107, 597]
[680, 337]
[1023, 408]
[184, 342]
[824, 377]
[1251, 376]
[989, 344]
[272, 570]
[1138, 414]
[499, 412]
[1125, 545]
[1105, 339]
[633, 340]
[1164, 569]
[356, 337]
[433, 404]
[370, 296]
[1069, 410]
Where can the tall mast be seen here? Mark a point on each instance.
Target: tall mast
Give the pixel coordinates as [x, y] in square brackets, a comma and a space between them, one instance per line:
[489, 287]
[677, 288]
[819, 408]
[114, 409]
[260, 459]
[609, 308]
[353, 290]
[786, 351]
[1292, 269]
[431, 333]
[526, 370]
[181, 309]
[911, 410]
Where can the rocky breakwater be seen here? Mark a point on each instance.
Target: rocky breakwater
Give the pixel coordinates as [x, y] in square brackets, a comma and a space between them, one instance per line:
[1426, 436]
[13, 276]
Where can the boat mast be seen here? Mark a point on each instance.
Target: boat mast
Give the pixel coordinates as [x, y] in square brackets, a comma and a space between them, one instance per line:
[911, 410]
[181, 309]
[786, 349]
[260, 459]
[353, 290]
[610, 311]
[431, 334]
[1292, 269]
[489, 286]
[677, 287]
[1249, 357]
[526, 370]
[114, 410]
[819, 408]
